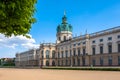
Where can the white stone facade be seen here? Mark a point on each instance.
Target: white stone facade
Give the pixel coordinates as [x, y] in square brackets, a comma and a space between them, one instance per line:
[97, 49]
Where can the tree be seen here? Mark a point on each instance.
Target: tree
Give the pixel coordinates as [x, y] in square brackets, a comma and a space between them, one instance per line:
[0, 61]
[16, 16]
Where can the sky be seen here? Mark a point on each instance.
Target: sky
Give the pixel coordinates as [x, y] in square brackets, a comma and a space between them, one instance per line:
[90, 15]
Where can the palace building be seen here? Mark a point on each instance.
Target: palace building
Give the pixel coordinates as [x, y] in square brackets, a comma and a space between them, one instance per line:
[97, 49]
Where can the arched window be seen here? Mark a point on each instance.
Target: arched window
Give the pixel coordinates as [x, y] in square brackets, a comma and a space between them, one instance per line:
[53, 54]
[47, 54]
[64, 38]
[59, 38]
[42, 55]
[70, 37]
[47, 63]
[53, 63]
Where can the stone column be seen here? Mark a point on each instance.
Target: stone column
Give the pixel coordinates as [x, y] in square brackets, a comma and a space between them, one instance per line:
[71, 58]
[87, 48]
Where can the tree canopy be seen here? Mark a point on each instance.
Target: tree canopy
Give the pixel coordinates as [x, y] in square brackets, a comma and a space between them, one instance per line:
[16, 16]
[0, 61]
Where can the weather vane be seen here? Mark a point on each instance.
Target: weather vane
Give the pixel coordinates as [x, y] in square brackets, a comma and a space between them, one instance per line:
[64, 12]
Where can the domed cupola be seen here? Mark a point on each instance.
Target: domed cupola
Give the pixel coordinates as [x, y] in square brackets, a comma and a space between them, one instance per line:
[64, 26]
[64, 30]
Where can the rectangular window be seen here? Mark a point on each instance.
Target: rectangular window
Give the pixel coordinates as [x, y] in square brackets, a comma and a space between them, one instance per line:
[118, 36]
[78, 60]
[109, 38]
[74, 52]
[101, 40]
[59, 38]
[78, 52]
[70, 61]
[118, 47]
[84, 42]
[66, 62]
[70, 53]
[58, 55]
[62, 54]
[66, 47]
[41, 62]
[93, 50]
[84, 51]
[62, 63]
[66, 53]
[47, 56]
[83, 61]
[93, 41]
[74, 44]
[42, 54]
[101, 61]
[93, 62]
[118, 60]
[78, 44]
[73, 62]
[110, 60]
[53, 54]
[109, 48]
[58, 63]
[101, 49]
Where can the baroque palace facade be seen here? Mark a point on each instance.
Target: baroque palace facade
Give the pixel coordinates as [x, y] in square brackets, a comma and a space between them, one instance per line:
[96, 49]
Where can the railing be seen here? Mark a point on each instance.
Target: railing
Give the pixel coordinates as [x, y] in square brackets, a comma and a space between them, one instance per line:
[105, 31]
[48, 44]
[96, 33]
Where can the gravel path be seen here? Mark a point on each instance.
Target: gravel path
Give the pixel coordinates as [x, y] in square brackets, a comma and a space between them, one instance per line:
[38, 74]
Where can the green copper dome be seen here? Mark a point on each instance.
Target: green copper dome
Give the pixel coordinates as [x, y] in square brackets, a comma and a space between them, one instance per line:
[64, 26]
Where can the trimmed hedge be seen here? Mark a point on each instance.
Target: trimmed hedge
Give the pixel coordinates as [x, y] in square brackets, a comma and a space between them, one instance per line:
[92, 69]
[11, 64]
[7, 67]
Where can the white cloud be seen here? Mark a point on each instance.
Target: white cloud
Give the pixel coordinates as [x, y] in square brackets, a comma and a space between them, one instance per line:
[16, 41]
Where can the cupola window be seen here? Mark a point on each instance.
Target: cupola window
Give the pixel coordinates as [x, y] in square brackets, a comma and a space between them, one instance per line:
[64, 38]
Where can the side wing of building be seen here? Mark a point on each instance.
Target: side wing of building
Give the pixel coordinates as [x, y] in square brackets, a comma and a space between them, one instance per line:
[97, 49]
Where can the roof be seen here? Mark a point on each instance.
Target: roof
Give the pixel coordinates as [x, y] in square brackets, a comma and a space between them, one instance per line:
[64, 26]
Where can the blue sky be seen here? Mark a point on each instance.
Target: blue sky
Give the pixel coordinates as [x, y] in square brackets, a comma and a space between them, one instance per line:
[93, 15]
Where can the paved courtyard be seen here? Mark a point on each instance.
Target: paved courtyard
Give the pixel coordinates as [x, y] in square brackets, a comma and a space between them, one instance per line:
[38, 74]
